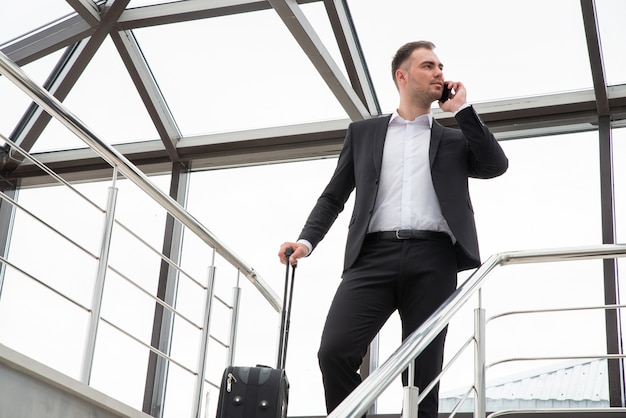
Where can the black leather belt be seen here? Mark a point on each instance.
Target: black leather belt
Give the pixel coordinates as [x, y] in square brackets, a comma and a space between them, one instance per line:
[403, 234]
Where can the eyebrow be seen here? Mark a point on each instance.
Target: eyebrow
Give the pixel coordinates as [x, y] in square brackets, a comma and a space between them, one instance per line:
[432, 63]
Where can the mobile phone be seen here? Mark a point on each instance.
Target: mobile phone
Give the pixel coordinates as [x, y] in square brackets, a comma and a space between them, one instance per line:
[445, 94]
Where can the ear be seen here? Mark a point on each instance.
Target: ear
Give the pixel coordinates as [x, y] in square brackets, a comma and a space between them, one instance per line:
[400, 75]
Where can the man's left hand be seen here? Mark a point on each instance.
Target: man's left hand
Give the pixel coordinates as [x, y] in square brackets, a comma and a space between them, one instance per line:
[458, 97]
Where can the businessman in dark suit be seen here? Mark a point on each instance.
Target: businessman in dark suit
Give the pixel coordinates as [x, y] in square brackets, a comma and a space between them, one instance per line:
[412, 227]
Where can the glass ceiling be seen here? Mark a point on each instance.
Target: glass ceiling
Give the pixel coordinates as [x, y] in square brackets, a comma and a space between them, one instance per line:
[219, 71]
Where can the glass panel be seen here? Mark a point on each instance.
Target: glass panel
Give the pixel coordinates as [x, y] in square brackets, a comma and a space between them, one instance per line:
[26, 16]
[498, 49]
[106, 100]
[549, 197]
[218, 77]
[34, 319]
[611, 15]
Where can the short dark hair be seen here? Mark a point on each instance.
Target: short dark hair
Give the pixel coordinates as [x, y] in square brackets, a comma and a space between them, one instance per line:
[404, 53]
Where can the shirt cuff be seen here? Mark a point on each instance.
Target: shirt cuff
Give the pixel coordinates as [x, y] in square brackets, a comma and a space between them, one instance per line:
[463, 106]
[308, 245]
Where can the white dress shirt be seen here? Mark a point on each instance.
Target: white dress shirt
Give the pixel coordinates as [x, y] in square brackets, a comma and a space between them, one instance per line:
[406, 196]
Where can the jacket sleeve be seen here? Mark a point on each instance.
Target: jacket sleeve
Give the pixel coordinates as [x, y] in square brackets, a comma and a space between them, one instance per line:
[332, 200]
[486, 157]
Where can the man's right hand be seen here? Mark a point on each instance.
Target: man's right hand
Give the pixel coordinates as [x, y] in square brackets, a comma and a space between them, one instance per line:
[299, 250]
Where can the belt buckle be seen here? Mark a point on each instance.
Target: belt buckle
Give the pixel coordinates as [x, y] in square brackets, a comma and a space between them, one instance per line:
[398, 235]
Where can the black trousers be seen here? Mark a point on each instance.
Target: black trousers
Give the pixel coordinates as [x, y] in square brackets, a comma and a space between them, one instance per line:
[412, 276]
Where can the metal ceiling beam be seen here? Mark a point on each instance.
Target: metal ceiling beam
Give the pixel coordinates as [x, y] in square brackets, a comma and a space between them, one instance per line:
[87, 9]
[508, 119]
[182, 11]
[149, 91]
[71, 29]
[293, 17]
[353, 59]
[47, 40]
[594, 48]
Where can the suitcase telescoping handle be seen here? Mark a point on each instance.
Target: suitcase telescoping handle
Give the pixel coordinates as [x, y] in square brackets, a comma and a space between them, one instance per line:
[286, 311]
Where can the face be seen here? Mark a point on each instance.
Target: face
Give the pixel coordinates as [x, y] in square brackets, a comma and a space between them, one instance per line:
[421, 76]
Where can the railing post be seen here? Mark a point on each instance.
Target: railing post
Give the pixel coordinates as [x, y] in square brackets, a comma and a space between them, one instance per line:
[98, 290]
[204, 343]
[7, 217]
[234, 321]
[373, 360]
[411, 395]
[480, 402]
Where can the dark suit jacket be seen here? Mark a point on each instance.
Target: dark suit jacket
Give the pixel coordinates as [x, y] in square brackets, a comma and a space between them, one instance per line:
[455, 155]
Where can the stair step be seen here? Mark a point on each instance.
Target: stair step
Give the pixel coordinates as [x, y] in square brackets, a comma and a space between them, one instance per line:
[563, 413]
[525, 413]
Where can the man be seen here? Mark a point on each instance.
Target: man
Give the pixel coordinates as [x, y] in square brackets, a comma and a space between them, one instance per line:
[412, 228]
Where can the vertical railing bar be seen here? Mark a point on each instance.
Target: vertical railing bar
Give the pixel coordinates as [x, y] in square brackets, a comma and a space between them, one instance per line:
[410, 405]
[234, 322]
[480, 385]
[374, 359]
[7, 220]
[99, 284]
[204, 344]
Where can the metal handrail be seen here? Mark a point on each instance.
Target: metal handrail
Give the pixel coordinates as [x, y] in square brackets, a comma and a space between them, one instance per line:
[54, 107]
[62, 181]
[357, 403]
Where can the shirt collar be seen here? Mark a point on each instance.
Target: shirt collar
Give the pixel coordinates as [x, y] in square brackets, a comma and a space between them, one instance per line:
[425, 120]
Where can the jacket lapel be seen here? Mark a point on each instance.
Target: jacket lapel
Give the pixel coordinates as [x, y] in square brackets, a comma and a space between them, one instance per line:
[435, 139]
[380, 133]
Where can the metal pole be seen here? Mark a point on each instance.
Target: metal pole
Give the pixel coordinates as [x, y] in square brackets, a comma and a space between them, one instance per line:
[167, 290]
[234, 322]
[614, 337]
[411, 395]
[480, 402]
[98, 291]
[7, 218]
[374, 358]
[204, 344]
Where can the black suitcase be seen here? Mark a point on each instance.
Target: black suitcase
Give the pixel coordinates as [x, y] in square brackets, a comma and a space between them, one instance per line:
[261, 391]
